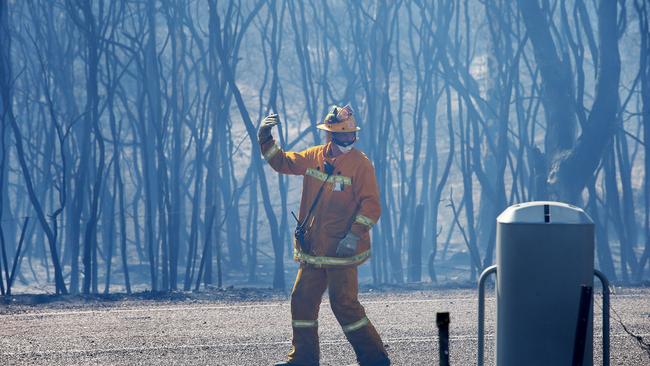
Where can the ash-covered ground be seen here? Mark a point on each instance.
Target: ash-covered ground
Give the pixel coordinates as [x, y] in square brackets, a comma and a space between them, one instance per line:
[252, 327]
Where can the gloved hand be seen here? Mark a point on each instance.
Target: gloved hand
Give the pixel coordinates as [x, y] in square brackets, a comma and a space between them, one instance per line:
[347, 246]
[264, 133]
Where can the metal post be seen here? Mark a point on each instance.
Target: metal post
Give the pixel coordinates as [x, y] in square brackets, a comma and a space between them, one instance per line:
[605, 283]
[481, 309]
[442, 320]
[582, 324]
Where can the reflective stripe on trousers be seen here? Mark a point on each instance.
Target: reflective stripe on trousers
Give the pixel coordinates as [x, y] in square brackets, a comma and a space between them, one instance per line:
[304, 323]
[356, 325]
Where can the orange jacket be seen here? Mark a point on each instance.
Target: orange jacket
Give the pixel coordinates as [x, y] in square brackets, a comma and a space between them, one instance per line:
[349, 202]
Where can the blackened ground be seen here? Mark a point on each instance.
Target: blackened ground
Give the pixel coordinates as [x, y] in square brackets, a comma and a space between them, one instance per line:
[252, 327]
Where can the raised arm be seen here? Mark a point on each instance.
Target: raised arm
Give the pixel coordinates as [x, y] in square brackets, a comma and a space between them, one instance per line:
[283, 162]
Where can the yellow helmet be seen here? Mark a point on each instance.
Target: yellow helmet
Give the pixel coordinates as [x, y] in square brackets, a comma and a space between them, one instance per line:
[339, 120]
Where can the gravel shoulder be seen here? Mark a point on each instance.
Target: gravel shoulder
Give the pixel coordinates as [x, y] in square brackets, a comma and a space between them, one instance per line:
[252, 327]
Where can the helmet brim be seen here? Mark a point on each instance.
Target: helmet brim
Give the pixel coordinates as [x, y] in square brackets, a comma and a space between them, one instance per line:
[326, 127]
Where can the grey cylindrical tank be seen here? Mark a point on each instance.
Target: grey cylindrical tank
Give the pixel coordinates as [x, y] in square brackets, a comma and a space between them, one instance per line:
[545, 252]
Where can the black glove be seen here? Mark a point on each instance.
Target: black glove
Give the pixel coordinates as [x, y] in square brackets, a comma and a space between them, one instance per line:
[264, 133]
[348, 245]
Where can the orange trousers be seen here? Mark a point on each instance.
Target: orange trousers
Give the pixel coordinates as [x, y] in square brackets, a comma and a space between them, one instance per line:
[343, 287]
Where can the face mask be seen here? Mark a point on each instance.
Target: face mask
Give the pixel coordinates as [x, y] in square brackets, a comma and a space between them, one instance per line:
[344, 146]
[344, 149]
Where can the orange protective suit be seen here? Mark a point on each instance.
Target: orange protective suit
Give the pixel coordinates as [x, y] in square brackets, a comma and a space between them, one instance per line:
[349, 202]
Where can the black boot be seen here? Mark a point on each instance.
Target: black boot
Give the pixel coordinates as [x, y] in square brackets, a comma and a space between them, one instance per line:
[384, 361]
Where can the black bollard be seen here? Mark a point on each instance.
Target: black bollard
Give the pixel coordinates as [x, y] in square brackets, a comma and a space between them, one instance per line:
[581, 326]
[442, 320]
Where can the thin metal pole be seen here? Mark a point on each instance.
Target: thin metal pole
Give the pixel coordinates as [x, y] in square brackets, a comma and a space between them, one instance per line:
[481, 310]
[605, 283]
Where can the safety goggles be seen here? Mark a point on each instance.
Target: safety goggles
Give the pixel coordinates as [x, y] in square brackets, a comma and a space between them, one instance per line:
[338, 115]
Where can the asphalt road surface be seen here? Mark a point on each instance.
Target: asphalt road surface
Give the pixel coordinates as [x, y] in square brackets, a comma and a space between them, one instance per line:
[257, 331]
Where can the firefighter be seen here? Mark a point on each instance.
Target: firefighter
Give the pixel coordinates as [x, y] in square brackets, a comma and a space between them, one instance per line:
[339, 206]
